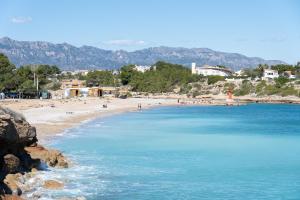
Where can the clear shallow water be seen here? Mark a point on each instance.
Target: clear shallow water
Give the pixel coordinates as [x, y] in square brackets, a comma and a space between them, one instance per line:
[246, 152]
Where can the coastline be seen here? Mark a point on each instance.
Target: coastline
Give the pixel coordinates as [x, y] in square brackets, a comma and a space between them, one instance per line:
[54, 116]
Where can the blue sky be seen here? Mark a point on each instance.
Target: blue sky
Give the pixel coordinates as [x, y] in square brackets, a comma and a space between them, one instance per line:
[265, 28]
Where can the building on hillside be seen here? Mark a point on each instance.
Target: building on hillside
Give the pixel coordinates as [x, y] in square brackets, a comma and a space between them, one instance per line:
[72, 83]
[143, 68]
[115, 72]
[270, 74]
[239, 73]
[76, 72]
[81, 72]
[207, 70]
[289, 74]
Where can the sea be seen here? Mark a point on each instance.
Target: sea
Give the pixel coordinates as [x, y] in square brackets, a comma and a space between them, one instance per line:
[249, 152]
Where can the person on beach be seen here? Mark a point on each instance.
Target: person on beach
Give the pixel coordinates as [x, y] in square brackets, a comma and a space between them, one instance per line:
[2, 95]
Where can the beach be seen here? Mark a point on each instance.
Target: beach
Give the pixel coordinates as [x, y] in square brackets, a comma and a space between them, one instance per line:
[53, 116]
[181, 152]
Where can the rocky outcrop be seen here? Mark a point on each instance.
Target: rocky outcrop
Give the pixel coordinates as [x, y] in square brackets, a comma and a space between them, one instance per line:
[52, 158]
[53, 185]
[11, 197]
[15, 134]
[20, 153]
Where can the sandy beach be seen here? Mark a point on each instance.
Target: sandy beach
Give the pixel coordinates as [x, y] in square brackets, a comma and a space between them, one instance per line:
[51, 117]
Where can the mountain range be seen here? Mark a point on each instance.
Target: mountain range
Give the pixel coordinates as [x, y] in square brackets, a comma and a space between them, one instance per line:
[69, 57]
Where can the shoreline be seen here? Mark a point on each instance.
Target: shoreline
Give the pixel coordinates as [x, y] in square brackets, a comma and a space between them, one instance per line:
[52, 117]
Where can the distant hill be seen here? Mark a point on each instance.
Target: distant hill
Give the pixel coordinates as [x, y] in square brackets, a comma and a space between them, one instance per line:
[69, 57]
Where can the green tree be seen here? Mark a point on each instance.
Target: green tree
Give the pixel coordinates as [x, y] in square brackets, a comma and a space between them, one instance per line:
[252, 73]
[281, 81]
[282, 67]
[7, 80]
[127, 73]
[213, 79]
[245, 88]
[102, 78]
[27, 86]
[162, 77]
[259, 70]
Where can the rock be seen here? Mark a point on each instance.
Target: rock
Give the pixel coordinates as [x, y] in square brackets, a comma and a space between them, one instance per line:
[11, 181]
[15, 129]
[11, 163]
[19, 152]
[10, 197]
[53, 185]
[34, 170]
[52, 158]
[15, 134]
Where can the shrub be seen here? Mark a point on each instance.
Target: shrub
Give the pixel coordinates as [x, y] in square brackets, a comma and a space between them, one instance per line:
[214, 79]
[244, 89]
[259, 89]
[228, 86]
[280, 81]
[55, 86]
[287, 91]
[271, 90]
[196, 93]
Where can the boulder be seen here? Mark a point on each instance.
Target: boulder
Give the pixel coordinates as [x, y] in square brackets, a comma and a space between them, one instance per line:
[11, 181]
[14, 129]
[19, 152]
[11, 163]
[52, 158]
[10, 197]
[53, 185]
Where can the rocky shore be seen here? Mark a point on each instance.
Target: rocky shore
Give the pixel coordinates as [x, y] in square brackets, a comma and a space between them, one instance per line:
[21, 156]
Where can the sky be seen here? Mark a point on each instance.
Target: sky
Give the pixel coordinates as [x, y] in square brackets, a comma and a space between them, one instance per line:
[258, 28]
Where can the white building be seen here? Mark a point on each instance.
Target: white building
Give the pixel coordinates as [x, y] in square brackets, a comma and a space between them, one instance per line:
[239, 73]
[207, 70]
[142, 68]
[270, 74]
[76, 72]
[289, 74]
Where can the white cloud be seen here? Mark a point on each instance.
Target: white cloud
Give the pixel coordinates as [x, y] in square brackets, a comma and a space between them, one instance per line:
[20, 20]
[125, 42]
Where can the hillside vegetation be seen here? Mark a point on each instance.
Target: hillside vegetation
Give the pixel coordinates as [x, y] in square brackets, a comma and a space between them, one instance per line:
[162, 77]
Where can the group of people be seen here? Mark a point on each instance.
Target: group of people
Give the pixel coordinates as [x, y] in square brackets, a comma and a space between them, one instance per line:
[139, 106]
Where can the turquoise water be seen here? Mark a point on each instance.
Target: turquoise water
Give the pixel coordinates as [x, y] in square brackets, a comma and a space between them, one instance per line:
[236, 153]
